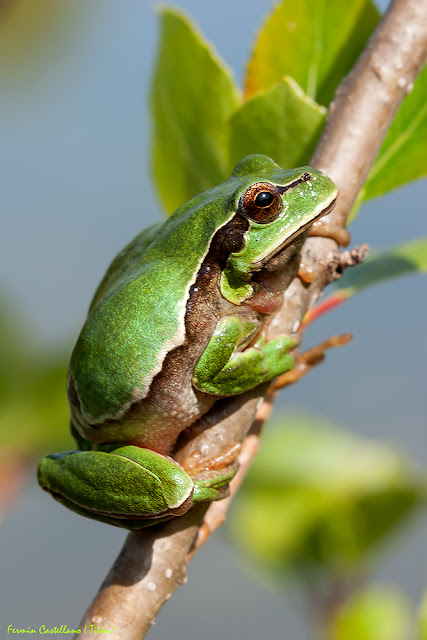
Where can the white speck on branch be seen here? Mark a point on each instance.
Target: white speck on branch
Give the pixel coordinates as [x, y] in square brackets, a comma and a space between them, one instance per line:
[152, 563]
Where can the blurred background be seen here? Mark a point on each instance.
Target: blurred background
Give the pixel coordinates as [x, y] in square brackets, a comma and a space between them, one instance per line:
[76, 187]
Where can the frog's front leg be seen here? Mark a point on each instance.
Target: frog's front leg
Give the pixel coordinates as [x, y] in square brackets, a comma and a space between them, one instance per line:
[224, 370]
[129, 486]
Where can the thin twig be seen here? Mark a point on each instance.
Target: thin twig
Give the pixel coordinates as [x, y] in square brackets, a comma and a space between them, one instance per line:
[153, 563]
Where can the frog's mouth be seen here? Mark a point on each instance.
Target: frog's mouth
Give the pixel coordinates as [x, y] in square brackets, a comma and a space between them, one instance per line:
[280, 253]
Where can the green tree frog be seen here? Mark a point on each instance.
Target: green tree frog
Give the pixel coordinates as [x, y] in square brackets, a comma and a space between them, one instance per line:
[177, 323]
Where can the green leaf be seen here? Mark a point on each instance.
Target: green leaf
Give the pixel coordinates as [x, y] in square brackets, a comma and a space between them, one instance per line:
[403, 156]
[399, 261]
[193, 95]
[373, 614]
[317, 499]
[316, 42]
[282, 122]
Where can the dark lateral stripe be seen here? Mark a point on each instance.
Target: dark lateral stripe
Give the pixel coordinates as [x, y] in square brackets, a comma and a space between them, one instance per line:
[304, 178]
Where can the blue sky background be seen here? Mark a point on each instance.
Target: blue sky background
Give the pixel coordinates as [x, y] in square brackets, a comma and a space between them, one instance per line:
[74, 161]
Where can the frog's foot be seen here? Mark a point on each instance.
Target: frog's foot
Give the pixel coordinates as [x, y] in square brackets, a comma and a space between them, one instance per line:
[309, 359]
[223, 370]
[307, 273]
[195, 464]
[212, 474]
[327, 229]
[129, 487]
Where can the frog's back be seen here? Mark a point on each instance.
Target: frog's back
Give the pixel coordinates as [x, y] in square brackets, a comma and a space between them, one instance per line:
[137, 314]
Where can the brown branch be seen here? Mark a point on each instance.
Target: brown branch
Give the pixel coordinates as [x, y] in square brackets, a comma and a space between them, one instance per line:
[152, 563]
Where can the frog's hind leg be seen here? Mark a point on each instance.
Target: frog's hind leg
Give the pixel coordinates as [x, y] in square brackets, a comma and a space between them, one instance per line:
[126, 484]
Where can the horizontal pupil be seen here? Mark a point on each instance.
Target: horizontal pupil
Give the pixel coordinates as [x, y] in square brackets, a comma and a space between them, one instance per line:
[264, 199]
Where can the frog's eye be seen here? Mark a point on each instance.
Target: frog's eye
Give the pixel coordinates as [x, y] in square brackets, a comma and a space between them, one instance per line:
[261, 202]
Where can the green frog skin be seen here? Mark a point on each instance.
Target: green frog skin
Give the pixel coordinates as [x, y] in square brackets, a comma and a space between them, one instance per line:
[177, 323]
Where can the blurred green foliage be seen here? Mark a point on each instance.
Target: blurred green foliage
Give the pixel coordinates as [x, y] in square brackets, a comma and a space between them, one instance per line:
[33, 405]
[318, 499]
[422, 620]
[30, 30]
[373, 614]
[203, 123]
[315, 509]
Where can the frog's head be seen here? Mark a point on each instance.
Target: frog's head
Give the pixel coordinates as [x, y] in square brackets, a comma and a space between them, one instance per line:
[275, 207]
